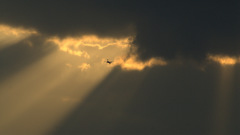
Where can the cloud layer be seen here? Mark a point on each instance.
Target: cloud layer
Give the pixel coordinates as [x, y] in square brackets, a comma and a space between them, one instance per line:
[163, 29]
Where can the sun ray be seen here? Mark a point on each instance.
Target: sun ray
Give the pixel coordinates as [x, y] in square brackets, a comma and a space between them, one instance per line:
[61, 80]
[223, 100]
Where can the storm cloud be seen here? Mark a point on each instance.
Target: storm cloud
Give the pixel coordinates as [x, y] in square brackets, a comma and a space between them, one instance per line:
[55, 79]
[165, 29]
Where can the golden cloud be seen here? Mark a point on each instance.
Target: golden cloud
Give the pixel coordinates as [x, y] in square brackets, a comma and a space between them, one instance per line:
[131, 63]
[223, 60]
[10, 35]
[74, 45]
[80, 47]
[84, 66]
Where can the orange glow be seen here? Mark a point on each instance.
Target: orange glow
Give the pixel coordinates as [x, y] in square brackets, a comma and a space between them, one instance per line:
[132, 63]
[84, 66]
[56, 74]
[10, 35]
[7, 30]
[75, 46]
[223, 100]
[92, 46]
[60, 81]
[223, 60]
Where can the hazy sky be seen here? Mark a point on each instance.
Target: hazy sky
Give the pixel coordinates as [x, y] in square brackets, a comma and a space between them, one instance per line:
[175, 67]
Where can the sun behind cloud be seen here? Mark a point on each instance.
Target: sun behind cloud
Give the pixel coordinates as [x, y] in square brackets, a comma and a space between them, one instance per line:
[117, 49]
[223, 60]
[131, 63]
[10, 35]
[75, 45]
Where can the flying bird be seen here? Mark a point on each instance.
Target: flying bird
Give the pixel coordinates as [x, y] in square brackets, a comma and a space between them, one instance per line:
[109, 62]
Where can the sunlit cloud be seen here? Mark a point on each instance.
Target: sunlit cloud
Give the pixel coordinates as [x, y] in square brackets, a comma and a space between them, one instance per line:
[75, 45]
[84, 66]
[11, 35]
[65, 76]
[85, 46]
[131, 63]
[223, 60]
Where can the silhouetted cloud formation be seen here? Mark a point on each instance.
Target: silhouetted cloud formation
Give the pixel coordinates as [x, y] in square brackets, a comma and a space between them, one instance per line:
[163, 28]
[172, 99]
[190, 29]
[105, 18]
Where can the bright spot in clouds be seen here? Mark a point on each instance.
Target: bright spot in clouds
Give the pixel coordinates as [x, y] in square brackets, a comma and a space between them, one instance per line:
[223, 60]
[131, 63]
[115, 49]
[84, 66]
[66, 75]
[75, 46]
[90, 48]
[11, 35]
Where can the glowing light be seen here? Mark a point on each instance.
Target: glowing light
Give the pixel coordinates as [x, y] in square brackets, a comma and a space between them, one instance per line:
[56, 74]
[223, 60]
[80, 47]
[132, 63]
[75, 46]
[10, 35]
[57, 78]
[223, 99]
[84, 66]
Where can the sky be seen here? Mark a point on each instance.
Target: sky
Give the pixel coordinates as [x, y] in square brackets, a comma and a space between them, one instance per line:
[174, 71]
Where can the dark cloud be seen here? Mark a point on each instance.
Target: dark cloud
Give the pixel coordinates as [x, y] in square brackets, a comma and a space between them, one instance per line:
[189, 29]
[105, 18]
[162, 100]
[166, 28]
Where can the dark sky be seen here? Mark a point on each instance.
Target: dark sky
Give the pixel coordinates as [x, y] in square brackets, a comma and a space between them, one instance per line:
[176, 99]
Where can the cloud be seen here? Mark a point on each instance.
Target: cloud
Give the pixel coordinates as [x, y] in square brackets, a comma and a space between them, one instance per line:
[84, 66]
[188, 29]
[132, 63]
[91, 44]
[161, 28]
[223, 60]
[104, 18]
[11, 35]
[76, 45]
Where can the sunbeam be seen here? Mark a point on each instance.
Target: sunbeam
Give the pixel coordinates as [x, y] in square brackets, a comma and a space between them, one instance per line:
[51, 81]
[223, 99]
[48, 89]
[119, 67]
